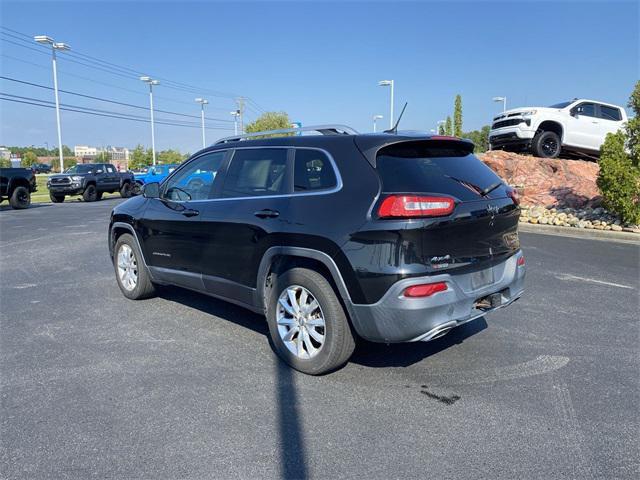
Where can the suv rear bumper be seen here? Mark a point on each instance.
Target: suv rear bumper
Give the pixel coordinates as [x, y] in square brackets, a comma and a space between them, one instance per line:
[396, 318]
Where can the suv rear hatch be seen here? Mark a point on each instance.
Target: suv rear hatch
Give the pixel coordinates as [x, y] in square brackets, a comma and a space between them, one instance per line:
[441, 206]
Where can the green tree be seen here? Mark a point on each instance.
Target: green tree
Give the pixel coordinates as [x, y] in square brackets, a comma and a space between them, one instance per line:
[102, 157]
[619, 175]
[441, 129]
[457, 116]
[68, 163]
[633, 126]
[28, 159]
[5, 162]
[480, 138]
[170, 156]
[269, 121]
[140, 158]
[448, 130]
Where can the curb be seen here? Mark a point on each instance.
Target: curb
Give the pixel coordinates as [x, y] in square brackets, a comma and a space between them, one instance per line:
[601, 235]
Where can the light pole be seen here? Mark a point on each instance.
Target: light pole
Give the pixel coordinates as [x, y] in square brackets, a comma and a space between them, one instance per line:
[388, 83]
[151, 82]
[503, 100]
[43, 39]
[440, 122]
[375, 119]
[202, 103]
[235, 114]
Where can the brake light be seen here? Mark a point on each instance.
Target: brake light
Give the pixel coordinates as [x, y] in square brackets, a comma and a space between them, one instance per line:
[512, 193]
[426, 290]
[415, 206]
[521, 261]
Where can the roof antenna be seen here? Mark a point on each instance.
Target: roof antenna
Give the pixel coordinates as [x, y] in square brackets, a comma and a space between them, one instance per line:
[394, 130]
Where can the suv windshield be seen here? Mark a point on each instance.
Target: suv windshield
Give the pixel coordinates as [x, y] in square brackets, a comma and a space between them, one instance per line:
[80, 169]
[561, 104]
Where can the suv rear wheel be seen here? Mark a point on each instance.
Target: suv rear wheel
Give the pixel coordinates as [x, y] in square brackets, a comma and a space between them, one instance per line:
[20, 198]
[133, 278]
[546, 145]
[307, 324]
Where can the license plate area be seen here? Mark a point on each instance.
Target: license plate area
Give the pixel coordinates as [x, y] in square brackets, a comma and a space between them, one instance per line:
[482, 278]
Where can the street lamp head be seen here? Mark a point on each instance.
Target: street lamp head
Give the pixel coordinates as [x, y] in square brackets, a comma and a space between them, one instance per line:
[235, 113]
[155, 82]
[61, 46]
[145, 79]
[201, 101]
[385, 83]
[377, 117]
[498, 99]
[43, 39]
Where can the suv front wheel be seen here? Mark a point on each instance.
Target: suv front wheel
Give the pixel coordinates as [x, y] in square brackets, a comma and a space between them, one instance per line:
[132, 275]
[307, 324]
[546, 145]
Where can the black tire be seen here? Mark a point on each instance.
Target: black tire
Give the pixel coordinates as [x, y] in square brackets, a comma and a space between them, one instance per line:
[144, 288]
[99, 195]
[20, 198]
[546, 145]
[56, 198]
[126, 190]
[90, 193]
[339, 341]
[136, 189]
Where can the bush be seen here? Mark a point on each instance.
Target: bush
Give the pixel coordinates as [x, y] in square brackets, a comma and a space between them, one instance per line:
[619, 179]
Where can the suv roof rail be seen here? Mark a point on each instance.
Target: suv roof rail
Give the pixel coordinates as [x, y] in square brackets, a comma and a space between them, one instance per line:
[321, 129]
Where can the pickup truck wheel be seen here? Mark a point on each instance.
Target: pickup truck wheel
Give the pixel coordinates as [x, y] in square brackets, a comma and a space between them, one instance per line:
[546, 145]
[307, 324]
[56, 198]
[90, 194]
[132, 275]
[125, 191]
[99, 195]
[20, 198]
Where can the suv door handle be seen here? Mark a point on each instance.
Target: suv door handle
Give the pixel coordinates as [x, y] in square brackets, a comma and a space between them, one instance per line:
[190, 213]
[267, 213]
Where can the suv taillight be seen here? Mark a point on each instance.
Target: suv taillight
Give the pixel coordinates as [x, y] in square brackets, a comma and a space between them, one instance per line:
[415, 206]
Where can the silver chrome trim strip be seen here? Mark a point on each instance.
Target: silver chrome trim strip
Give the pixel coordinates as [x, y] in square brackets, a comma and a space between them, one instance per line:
[329, 191]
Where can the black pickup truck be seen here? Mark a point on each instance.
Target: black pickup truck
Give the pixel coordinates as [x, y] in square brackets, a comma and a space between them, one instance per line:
[90, 180]
[17, 184]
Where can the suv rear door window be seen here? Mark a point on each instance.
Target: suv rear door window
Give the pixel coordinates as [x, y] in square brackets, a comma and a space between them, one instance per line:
[312, 171]
[433, 167]
[610, 113]
[256, 172]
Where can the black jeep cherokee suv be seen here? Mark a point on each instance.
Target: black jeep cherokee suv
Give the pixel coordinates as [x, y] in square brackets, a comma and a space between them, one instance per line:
[392, 237]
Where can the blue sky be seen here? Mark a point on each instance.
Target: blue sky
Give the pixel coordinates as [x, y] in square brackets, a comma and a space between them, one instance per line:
[318, 61]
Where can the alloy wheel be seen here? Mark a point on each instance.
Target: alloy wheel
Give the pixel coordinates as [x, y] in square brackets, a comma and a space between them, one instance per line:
[127, 267]
[301, 323]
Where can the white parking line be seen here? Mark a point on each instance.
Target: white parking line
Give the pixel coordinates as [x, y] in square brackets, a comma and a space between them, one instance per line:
[573, 278]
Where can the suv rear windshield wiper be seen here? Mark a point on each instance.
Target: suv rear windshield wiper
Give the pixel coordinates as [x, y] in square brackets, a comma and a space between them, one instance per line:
[490, 189]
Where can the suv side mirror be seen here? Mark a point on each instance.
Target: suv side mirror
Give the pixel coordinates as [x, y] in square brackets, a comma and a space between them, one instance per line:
[151, 190]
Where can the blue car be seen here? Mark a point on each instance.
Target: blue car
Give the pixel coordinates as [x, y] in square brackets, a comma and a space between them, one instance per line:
[153, 174]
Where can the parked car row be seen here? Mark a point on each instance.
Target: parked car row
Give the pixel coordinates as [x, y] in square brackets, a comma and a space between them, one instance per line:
[576, 126]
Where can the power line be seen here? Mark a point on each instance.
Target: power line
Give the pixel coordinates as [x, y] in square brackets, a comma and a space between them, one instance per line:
[112, 101]
[162, 122]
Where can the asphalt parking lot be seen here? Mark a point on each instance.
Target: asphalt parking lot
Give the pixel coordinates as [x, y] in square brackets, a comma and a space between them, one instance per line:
[185, 386]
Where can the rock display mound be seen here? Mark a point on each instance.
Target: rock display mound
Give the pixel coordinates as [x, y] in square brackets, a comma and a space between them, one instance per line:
[547, 182]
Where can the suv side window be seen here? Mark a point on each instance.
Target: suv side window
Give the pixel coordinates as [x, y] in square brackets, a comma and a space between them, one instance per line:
[256, 172]
[610, 113]
[195, 180]
[586, 109]
[312, 171]
[110, 169]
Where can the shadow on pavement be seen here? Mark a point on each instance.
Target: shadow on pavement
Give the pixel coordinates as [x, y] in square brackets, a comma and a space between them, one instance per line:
[33, 205]
[292, 449]
[382, 355]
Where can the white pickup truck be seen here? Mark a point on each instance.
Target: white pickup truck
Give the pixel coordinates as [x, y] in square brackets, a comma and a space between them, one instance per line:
[578, 126]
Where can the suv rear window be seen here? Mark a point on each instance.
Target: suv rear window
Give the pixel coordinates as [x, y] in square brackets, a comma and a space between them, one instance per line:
[417, 167]
[312, 171]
